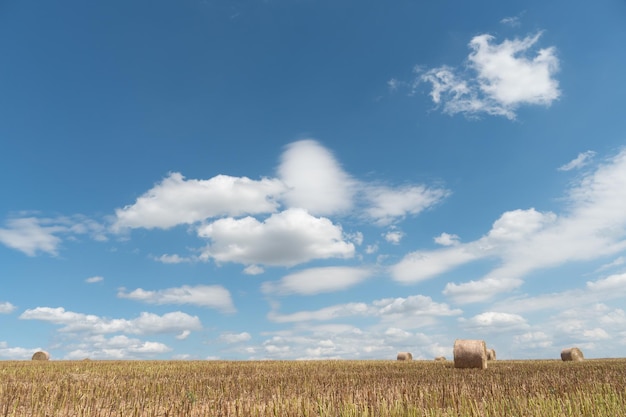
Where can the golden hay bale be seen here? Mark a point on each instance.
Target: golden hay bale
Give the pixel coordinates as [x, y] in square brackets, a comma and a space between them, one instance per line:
[470, 354]
[42, 355]
[405, 356]
[440, 359]
[572, 354]
[491, 354]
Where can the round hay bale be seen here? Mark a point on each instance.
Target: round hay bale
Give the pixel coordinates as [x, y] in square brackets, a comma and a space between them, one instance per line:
[42, 355]
[440, 359]
[405, 356]
[572, 354]
[470, 354]
[491, 354]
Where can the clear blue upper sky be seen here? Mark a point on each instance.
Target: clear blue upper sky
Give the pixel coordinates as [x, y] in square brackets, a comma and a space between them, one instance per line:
[288, 179]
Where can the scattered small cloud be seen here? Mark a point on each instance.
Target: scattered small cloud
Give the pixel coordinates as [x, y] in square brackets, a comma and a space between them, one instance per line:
[232, 338]
[6, 307]
[498, 78]
[172, 259]
[446, 239]
[394, 236]
[253, 270]
[581, 160]
[94, 279]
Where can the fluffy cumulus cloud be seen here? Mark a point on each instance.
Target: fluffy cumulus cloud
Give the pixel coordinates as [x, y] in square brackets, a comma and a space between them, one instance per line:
[282, 221]
[286, 238]
[176, 200]
[318, 280]
[499, 78]
[145, 324]
[592, 226]
[315, 180]
[210, 296]
[15, 353]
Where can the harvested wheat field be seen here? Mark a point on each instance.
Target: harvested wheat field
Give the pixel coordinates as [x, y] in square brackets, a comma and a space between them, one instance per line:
[312, 388]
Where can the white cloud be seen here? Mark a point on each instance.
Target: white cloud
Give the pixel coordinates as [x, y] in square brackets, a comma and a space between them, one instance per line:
[6, 307]
[446, 239]
[386, 204]
[184, 335]
[171, 259]
[32, 235]
[315, 179]
[511, 21]
[533, 340]
[592, 227]
[495, 322]
[422, 265]
[286, 238]
[16, 353]
[499, 78]
[94, 279]
[394, 236]
[318, 280]
[340, 341]
[231, 338]
[615, 282]
[253, 270]
[481, 290]
[28, 235]
[388, 309]
[146, 323]
[176, 200]
[119, 347]
[581, 160]
[211, 296]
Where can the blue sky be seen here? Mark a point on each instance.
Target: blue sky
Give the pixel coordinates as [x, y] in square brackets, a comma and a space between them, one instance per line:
[311, 179]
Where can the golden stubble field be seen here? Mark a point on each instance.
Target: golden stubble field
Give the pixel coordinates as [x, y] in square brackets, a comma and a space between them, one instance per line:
[312, 388]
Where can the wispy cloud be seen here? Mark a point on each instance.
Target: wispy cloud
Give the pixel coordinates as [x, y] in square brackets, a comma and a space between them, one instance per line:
[94, 279]
[211, 296]
[497, 80]
[318, 280]
[580, 161]
[146, 323]
[592, 226]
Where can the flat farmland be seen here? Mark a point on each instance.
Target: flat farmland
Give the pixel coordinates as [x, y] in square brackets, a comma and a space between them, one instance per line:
[594, 387]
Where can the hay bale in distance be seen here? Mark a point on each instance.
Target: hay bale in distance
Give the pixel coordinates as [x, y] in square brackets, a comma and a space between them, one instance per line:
[491, 354]
[405, 356]
[440, 359]
[572, 354]
[470, 354]
[42, 355]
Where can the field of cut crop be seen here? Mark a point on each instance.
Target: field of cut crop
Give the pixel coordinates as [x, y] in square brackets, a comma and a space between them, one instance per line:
[312, 388]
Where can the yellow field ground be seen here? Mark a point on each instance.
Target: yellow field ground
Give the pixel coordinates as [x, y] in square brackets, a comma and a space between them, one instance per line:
[312, 388]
